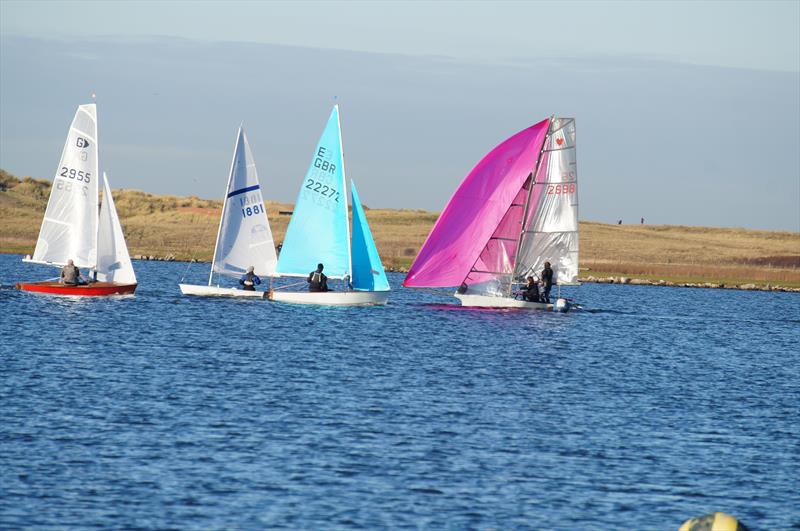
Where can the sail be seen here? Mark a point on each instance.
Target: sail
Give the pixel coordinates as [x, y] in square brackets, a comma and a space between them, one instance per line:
[318, 231]
[551, 234]
[69, 228]
[113, 260]
[474, 213]
[244, 237]
[368, 273]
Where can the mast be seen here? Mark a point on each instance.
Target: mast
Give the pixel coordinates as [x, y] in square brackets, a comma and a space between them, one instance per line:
[524, 222]
[97, 198]
[224, 203]
[344, 189]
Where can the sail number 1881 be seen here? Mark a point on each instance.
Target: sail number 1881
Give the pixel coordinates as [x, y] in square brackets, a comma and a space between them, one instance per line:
[252, 210]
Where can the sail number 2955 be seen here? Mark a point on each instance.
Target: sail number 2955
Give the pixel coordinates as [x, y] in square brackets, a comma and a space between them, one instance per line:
[71, 173]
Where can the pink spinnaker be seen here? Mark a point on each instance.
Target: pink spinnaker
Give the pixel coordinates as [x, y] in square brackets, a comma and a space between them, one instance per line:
[476, 210]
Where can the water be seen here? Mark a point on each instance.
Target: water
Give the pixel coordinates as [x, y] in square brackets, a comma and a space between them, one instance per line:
[162, 411]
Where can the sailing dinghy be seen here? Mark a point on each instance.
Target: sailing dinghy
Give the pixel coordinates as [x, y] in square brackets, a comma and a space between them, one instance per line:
[319, 232]
[515, 210]
[244, 238]
[73, 228]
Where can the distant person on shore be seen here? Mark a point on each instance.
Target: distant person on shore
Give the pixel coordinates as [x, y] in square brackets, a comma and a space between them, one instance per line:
[249, 280]
[619, 222]
[642, 221]
[317, 281]
[71, 275]
[531, 291]
[547, 282]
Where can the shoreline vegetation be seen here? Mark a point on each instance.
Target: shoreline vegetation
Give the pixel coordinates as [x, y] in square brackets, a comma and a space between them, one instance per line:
[162, 227]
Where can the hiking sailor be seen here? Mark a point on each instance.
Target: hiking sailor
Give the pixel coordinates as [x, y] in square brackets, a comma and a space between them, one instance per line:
[249, 280]
[547, 282]
[317, 281]
[71, 275]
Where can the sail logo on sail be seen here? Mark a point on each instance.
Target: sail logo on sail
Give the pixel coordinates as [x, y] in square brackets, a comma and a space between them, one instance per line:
[82, 142]
[322, 163]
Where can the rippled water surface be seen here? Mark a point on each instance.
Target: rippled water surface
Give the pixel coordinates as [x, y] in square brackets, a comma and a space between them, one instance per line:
[162, 411]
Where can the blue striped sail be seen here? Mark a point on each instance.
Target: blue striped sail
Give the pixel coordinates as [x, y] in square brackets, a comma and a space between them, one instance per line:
[368, 273]
[318, 231]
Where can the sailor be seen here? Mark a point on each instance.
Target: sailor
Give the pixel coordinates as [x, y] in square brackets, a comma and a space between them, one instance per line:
[249, 280]
[71, 275]
[547, 281]
[317, 281]
[531, 291]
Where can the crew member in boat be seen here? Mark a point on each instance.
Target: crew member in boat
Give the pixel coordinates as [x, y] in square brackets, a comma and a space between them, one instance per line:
[531, 291]
[249, 280]
[71, 275]
[317, 281]
[547, 282]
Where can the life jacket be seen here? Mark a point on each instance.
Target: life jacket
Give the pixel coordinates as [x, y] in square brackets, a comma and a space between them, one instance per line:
[248, 279]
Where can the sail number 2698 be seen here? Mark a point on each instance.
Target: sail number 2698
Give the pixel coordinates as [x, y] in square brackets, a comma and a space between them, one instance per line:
[558, 189]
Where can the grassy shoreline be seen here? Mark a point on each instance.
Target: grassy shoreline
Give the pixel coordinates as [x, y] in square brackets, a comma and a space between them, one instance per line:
[184, 228]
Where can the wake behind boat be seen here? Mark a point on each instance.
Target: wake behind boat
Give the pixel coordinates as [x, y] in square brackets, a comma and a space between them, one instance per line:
[516, 210]
[319, 232]
[72, 228]
[244, 238]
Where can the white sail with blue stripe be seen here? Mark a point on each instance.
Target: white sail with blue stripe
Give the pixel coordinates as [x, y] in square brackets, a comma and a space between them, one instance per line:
[368, 273]
[244, 237]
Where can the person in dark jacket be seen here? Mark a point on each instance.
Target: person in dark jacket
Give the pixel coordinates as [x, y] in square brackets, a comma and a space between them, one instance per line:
[249, 280]
[547, 282]
[531, 291]
[71, 275]
[317, 281]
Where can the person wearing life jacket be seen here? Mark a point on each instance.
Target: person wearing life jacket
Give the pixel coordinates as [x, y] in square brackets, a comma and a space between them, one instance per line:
[249, 280]
[547, 282]
[317, 281]
[71, 275]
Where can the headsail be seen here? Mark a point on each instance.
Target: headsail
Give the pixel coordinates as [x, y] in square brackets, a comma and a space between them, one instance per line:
[244, 238]
[69, 228]
[318, 231]
[113, 260]
[551, 234]
[476, 229]
[368, 273]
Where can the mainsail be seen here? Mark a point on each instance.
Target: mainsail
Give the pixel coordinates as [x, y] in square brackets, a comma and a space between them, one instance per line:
[368, 273]
[244, 237]
[477, 232]
[69, 228]
[551, 233]
[319, 231]
[113, 260]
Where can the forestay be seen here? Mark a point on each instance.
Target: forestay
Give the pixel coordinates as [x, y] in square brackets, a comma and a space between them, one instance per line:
[318, 231]
[113, 260]
[368, 272]
[477, 232]
[551, 233]
[244, 237]
[69, 228]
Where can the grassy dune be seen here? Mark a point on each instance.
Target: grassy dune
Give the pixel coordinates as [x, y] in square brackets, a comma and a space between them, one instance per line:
[185, 228]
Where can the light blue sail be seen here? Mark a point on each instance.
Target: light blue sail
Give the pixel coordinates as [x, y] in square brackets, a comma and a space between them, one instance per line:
[318, 231]
[368, 273]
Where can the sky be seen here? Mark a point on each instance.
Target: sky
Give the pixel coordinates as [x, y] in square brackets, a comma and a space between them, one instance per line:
[687, 112]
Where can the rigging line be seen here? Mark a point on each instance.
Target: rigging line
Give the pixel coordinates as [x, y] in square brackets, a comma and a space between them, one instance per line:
[190, 249]
[286, 286]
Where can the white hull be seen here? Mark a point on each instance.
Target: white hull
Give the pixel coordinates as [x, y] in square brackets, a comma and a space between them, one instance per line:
[483, 301]
[331, 298]
[216, 291]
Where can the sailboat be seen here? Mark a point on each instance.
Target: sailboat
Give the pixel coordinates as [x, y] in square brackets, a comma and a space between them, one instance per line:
[515, 210]
[74, 229]
[244, 237]
[319, 232]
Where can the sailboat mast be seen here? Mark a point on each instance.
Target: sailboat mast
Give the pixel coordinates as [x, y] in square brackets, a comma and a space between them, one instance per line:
[344, 189]
[224, 204]
[528, 204]
[97, 197]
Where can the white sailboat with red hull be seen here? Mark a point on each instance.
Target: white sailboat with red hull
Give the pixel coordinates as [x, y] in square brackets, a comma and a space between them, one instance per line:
[74, 229]
[516, 210]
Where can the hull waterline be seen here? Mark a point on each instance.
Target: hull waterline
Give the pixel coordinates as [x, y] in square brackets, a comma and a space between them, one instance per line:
[483, 301]
[95, 289]
[216, 291]
[331, 298]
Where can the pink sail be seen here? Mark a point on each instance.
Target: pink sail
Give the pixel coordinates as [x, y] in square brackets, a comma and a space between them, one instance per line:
[475, 212]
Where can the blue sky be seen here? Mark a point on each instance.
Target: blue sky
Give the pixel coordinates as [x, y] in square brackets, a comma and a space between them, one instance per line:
[687, 113]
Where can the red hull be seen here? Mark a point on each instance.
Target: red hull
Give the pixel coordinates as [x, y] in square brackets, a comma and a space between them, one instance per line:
[96, 289]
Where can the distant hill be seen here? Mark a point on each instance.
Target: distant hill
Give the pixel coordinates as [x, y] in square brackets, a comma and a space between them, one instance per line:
[185, 228]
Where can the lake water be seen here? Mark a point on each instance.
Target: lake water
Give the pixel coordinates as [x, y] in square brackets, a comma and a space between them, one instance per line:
[162, 411]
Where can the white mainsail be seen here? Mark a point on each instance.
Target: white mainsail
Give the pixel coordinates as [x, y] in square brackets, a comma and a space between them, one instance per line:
[69, 228]
[113, 260]
[244, 237]
[552, 231]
